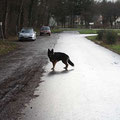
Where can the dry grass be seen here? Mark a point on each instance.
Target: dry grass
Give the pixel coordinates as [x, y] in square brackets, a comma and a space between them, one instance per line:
[7, 46]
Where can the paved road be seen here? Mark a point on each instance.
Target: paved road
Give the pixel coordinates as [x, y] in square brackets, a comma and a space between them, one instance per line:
[89, 91]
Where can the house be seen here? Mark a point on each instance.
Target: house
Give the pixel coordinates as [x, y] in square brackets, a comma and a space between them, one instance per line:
[98, 21]
[117, 23]
[52, 22]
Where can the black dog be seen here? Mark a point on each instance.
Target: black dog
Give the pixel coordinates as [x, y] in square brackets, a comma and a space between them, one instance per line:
[58, 56]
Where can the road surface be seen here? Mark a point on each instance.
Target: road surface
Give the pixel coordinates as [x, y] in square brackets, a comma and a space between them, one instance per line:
[88, 91]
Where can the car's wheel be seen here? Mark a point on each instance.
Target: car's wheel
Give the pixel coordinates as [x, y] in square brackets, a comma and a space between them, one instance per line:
[33, 39]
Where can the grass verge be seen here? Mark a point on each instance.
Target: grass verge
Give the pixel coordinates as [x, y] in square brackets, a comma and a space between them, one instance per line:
[81, 31]
[87, 31]
[7, 46]
[115, 47]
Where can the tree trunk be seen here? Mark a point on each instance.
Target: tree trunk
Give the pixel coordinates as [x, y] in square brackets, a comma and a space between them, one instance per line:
[5, 19]
[19, 17]
[30, 12]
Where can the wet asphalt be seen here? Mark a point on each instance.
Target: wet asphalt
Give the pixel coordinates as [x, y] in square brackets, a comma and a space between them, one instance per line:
[88, 91]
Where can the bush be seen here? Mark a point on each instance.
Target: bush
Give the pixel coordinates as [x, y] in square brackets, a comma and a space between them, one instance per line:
[100, 34]
[107, 36]
[110, 37]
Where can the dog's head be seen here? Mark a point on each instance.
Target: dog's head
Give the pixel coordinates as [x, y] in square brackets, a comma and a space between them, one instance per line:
[50, 53]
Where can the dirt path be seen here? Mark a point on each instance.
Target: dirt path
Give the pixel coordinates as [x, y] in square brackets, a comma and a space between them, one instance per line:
[21, 71]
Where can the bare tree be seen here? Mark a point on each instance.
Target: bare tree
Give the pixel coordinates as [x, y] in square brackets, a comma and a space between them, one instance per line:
[5, 18]
[19, 18]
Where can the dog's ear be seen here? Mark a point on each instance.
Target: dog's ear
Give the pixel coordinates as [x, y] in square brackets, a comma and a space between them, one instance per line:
[52, 51]
[48, 50]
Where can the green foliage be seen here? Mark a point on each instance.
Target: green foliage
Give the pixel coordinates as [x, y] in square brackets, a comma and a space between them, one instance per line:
[107, 36]
[100, 34]
[81, 31]
[115, 48]
[110, 37]
[87, 31]
[57, 30]
[93, 38]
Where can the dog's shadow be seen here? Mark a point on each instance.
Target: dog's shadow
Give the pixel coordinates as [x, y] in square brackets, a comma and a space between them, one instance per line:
[54, 72]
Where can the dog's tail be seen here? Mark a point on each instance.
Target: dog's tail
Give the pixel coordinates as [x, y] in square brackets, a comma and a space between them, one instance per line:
[70, 62]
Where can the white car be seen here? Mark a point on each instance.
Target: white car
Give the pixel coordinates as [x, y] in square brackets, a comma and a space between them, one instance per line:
[27, 34]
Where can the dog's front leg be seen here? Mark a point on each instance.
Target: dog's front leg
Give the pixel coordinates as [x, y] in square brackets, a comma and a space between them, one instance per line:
[54, 63]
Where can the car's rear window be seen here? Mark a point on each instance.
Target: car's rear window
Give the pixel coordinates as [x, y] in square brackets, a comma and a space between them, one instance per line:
[45, 28]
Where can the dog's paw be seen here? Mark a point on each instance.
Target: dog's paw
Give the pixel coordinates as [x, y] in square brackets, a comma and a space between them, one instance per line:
[65, 68]
[52, 69]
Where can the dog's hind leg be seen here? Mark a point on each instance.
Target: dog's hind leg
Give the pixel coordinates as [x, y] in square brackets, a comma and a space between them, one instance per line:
[66, 63]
